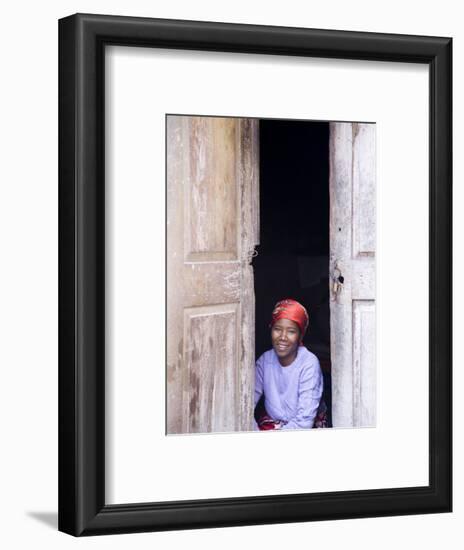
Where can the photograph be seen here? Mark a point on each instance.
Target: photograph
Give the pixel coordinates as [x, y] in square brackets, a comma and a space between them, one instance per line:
[270, 275]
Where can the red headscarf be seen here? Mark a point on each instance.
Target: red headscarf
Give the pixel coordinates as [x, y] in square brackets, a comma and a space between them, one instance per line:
[294, 311]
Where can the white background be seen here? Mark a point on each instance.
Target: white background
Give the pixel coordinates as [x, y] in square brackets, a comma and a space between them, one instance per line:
[28, 304]
[144, 84]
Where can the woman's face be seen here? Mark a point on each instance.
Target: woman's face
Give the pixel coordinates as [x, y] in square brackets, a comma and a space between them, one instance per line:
[285, 336]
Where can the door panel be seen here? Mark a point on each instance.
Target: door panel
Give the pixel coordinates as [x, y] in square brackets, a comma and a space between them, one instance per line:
[212, 201]
[352, 256]
[210, 338]
[211, 224]
[364, 363]
[364, 190]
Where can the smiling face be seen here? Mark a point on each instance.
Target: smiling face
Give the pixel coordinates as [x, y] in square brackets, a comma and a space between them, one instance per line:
[285, 336]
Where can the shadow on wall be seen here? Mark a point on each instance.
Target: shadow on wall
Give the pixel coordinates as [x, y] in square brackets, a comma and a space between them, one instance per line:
[47, 518]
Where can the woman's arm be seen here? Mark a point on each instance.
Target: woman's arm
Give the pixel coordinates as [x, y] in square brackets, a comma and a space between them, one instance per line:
[309, 396]
[259, 386]
[259, 379]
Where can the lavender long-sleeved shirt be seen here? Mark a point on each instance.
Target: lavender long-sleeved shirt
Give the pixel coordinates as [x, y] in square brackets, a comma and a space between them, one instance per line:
[291, 393]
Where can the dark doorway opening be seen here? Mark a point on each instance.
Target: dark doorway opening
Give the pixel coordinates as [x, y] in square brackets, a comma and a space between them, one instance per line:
[293, 254]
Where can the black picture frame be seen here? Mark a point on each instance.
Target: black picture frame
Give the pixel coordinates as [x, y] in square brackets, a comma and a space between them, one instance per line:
[82, 41]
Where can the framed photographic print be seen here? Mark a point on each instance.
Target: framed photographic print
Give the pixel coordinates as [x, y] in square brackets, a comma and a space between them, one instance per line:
[255, 274]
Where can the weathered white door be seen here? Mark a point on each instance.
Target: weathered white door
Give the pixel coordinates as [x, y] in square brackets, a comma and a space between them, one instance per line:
[352, 259]
[212, 229]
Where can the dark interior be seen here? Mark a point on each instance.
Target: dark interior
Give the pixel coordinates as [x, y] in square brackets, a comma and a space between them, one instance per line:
[293, 254]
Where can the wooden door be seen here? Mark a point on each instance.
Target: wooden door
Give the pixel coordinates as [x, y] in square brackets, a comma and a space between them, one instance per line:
[352, 257]
[212, 229]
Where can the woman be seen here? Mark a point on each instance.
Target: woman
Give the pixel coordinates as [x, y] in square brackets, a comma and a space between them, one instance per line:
[288, 375]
